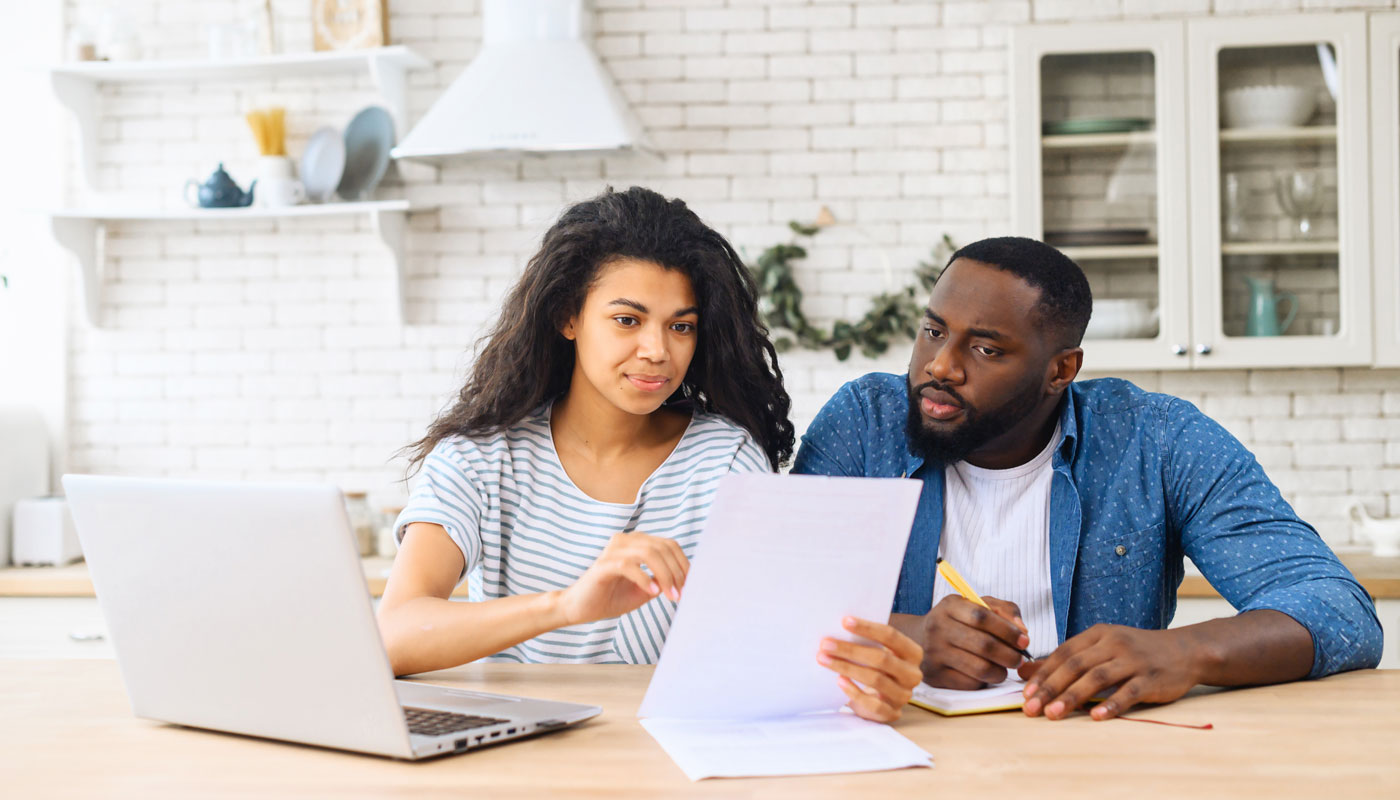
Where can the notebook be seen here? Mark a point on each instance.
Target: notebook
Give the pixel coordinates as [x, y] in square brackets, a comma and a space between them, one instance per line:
[1004, 696]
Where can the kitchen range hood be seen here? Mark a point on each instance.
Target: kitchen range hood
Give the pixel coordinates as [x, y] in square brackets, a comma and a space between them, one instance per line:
[536, 87]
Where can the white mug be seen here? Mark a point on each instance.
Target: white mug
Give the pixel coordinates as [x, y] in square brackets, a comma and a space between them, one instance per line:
[276, 186]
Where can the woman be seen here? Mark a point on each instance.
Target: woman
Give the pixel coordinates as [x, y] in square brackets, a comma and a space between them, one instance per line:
[627, 374]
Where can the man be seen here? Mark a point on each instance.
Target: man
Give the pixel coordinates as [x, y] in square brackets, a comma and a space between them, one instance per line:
[1071, 505]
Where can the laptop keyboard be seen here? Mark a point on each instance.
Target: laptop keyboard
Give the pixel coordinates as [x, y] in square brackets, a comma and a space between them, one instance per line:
[427, 722]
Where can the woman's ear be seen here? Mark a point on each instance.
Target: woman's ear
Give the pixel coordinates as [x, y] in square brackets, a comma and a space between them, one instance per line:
[567, 330]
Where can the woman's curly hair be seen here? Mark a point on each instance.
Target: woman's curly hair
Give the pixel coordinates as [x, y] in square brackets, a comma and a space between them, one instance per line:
[526, 360]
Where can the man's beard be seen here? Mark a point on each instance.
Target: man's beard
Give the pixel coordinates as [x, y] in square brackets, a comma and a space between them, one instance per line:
[977, 428]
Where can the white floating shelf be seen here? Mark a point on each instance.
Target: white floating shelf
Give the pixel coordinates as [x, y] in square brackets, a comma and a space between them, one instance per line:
[76, 84]
[1098, 141]
[82, 231]
[1306, 133]
[257, 68]
[1279, 248]
[1114, 251]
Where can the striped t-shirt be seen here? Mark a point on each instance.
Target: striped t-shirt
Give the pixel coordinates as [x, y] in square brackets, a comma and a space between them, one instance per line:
[524, 527]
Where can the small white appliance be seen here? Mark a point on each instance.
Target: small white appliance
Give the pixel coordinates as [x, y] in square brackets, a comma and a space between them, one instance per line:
[44, 534]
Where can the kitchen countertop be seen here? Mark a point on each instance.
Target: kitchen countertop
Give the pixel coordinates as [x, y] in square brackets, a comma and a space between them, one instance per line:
[1379, 576]
[72, 580]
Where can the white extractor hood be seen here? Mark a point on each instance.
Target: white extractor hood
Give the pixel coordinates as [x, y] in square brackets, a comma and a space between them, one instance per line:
[536, 87]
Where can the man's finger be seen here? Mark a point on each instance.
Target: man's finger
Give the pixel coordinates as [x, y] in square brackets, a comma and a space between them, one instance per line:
[1008, 610]
[984, 619]
[1099, 677]
[1120, 701]
[1051, 683]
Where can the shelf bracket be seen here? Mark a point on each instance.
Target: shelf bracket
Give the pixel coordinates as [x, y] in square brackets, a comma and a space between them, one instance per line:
[390, 227]
[79, 96]
[82, 238]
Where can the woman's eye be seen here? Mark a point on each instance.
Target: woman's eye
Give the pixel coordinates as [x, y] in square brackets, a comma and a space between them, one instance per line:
[626, 322]
[684, 327]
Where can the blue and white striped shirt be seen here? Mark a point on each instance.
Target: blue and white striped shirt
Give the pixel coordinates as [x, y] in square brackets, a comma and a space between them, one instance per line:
[524, 527]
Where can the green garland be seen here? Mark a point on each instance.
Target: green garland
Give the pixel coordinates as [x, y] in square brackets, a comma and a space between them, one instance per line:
[892, 315]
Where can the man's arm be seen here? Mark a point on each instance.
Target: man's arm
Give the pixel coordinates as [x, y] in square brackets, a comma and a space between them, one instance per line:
[1302, 614]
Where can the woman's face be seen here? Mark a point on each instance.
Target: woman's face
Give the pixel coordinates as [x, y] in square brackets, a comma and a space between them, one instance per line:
[636, 334]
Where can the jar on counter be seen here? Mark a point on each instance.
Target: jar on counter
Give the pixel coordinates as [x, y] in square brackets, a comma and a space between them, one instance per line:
[386, 545]
[361, 521]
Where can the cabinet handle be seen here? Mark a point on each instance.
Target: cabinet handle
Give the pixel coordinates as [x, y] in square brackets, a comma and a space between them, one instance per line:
[1203, 349]
[86, 636]
[1178, 349]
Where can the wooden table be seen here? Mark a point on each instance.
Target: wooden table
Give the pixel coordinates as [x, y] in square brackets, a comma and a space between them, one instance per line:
[66, 731]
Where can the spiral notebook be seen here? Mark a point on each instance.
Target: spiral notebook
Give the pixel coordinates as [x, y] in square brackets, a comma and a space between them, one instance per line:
[1004, 696]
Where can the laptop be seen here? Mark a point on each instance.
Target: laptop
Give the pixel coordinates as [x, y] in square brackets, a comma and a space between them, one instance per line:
[242, 607]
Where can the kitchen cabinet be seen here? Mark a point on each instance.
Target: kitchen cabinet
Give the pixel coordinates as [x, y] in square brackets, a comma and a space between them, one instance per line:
[1385, 176]
[1230, 240]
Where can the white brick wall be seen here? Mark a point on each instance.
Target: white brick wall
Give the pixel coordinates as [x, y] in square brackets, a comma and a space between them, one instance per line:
[268, 350]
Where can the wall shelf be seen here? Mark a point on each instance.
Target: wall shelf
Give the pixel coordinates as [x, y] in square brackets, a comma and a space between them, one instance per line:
[1306, 133]
[1279, 248]
[76, 85]
[83, 231]
[1098, 141]
[1106, 252]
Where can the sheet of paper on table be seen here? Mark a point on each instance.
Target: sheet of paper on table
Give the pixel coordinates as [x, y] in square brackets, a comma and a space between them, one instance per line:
[738, 690]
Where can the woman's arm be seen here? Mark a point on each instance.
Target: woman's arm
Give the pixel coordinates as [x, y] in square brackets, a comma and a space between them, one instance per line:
[423, 630]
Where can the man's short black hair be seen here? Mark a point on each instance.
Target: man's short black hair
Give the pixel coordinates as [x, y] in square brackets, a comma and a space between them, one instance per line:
[1065, 301]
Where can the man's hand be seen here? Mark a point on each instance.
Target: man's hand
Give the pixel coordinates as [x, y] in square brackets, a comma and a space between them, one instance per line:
[968, 647]
[890, 668]
[1145, 666]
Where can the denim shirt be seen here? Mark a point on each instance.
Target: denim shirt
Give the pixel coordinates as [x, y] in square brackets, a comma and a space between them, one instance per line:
[1140, 480]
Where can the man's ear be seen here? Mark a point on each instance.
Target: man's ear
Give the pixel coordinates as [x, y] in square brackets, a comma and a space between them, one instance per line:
[1063, 368]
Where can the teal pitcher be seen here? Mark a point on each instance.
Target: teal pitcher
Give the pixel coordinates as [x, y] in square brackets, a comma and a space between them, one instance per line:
[1263, 308]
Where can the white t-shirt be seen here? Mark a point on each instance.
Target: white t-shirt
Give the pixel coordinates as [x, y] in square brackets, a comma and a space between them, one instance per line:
[524, 527]
[996, 533]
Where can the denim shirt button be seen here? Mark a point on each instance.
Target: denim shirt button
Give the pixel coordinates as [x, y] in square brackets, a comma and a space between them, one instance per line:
[1121, 550]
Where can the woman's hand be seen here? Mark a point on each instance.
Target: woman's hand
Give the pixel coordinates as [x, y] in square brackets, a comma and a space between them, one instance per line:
[616, 584]
[889, 669]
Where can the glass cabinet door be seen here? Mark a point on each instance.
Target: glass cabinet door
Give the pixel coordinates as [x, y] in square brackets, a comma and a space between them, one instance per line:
[1385, 171]
[1279, 191]
[1100, 133]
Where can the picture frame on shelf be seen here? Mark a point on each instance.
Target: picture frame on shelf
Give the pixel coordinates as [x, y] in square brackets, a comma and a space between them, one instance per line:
[349, 24]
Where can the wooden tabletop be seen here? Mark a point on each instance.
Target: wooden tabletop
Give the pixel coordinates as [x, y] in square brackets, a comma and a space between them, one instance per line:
[1379, 576]
[68, 732]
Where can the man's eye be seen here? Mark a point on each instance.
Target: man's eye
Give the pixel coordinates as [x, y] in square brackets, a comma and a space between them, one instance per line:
[933, 333]
[987, 351]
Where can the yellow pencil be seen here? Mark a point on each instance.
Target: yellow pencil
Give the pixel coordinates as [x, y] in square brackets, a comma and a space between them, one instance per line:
[963, 588]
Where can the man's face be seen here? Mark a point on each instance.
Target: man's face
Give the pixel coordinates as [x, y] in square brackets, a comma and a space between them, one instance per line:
[979, 363]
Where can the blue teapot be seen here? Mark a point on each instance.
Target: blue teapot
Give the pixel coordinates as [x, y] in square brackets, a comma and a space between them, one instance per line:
[219, 191]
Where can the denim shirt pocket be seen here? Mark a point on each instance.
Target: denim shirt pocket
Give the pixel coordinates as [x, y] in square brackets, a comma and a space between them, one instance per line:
[1104, 555]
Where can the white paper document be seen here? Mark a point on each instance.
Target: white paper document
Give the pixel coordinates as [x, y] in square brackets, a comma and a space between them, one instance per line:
[782, 560]
[805, 745]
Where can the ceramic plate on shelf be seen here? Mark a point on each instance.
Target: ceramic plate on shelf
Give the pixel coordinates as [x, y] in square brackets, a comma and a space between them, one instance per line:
[322, 163]
[1096, 125]
[1090, 237]
[368, 139]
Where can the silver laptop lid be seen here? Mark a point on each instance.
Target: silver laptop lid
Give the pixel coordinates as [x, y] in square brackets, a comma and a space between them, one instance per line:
[221, 618]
